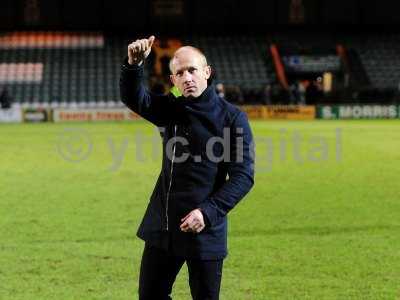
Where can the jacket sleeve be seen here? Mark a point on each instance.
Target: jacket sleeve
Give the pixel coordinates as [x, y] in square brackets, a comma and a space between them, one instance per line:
[240, 172]
[152, 107]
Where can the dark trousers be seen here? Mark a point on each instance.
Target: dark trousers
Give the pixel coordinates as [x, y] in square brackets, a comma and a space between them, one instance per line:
[159, 269]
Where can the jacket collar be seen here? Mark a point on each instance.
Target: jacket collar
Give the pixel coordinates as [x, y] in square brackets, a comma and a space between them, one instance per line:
[205, 100]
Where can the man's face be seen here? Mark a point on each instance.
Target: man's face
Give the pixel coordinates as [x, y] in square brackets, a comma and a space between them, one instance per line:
[190, 73]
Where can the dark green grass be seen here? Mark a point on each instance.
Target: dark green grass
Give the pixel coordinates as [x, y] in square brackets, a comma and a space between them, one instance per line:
[322, 222]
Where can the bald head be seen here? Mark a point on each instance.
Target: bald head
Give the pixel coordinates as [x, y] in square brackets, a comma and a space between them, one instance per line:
[189, 71]
[187, 50]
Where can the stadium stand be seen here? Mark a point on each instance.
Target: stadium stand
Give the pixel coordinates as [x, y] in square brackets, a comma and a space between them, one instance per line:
[59, 69]
[83, 70]
[69, 69]
[379, 56]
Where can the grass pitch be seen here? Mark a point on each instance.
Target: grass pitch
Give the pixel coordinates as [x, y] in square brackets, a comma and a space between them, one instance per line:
[322, 221]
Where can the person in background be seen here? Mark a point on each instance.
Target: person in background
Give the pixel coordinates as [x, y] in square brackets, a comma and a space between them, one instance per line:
[5, 99]
[220, 89]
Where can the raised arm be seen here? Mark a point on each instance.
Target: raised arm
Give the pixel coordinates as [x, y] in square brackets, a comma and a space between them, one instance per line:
[152, 107]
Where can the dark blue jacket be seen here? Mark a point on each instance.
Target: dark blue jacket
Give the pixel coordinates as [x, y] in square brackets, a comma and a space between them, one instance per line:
[191, 178]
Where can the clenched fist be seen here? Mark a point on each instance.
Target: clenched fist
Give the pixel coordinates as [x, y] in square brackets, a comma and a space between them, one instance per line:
[139, 50]
[193, 222]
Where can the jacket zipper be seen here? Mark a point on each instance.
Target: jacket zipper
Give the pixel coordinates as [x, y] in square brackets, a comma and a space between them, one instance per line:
[170, 177]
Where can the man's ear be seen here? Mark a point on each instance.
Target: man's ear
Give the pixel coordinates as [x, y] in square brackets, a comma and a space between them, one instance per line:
[208, 71]
[172, 78]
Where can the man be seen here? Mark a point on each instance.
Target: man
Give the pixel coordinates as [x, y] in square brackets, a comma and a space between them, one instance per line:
[5, 99]
[220, 90]
[200, 180]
